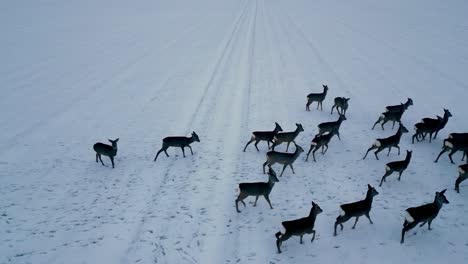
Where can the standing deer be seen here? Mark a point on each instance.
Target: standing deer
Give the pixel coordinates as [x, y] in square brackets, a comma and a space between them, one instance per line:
[286, 159]
[341, 103]
[106, 150]
[356, 209]
[463, 170]
[320, 142]
[181, 142]
[389, 116]
[267, 136]
[397, 166]
[256, 189]
[287, 137]
[331, 126]
[299, 227]
[437, 122]
[424, 213]
[400, 107]
[392, 141]
[317, 97]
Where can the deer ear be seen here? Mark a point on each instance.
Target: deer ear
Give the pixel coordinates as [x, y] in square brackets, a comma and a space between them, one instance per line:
[313, 204]
[368, 186]
[117, 140]
[442, 192]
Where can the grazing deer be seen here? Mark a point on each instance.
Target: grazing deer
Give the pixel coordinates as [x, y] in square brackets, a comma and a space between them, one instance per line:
[320, 141]
[463, 170]
[331, 126]
[356, 209]
[400, 107]
[299, 227]
[424, 213]
[422, 129]
[398, 166]
[389, 116]
[392, 141]
[106, 150]
[454, 144]
[267, 136]
[317, 97]
[286, 159]
[340, 103]
[286, 137]
[181, 142]
[437, 122]
[256, 189]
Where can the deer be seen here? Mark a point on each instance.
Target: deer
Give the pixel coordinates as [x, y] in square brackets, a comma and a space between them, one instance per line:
[340, 103]
[287, 137]
[181, 142]
[320, 141]
[286, 159]
[267, 136]
[424, 213]
[256, 189]
[389, 142]
[454, 144]
[437, 122]
[106, 150]
[299, 227]
[400, 107]
[332, 126]
[397, 166]
[463, 175]
[317, 97]
[356, 209]
[389, 116]
[422, 129]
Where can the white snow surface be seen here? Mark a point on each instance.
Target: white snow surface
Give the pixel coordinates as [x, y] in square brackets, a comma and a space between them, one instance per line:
[78, 72]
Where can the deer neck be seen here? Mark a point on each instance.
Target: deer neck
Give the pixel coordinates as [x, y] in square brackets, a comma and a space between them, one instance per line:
[296, 132]
[312, 215]
[369, 198]
[444, 120]
[438, 204]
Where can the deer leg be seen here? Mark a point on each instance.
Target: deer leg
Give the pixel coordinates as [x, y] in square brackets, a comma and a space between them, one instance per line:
[398, 147]
[191, 151]
[355, 222]
[399, 177]
[369, 149]
[414, 136]
[325, 149]
[338, 134]
[430, 137]
[100, 159]
[383, 123]
[332, 109]
[459, 180]
[435, 135]
[157, 154]
[376, 152]
[309, 102]
[368, 217]
[256, 144]
[423, 223]
[313, 152]
[287, 146]
[440, 154]
[248, 143]
[264, 164]
[451, 154]
[240, 198]
[97, 157]
[284, 167]
[390, 148]
[429, 224]
[183, 151]
[112, 161]
[387, 173]
[321, 105]
[307, 158]
[268, 200]
[406, 227]
[339, 221]
[313, 236]
[300, 241]
[282, 238]
[292, 168]
[256, 199]
[376, 122]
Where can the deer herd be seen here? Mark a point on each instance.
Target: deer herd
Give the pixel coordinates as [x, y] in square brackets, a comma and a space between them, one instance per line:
[299, 227]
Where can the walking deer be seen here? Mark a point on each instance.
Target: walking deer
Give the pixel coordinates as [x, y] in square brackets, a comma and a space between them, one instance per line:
[341, 103]
[400, 107]
[106, 150]
[389, 116]
[256, 189]
[267, 136]
[422, 129]
[424, 213]
[437, 122]
[317, 97]
[454, 143]
[299, 227]
[356, 209]
[331, 126]
[286, 159]
[181, 142]
[320, 141]
[397, 166]
[389, 142]
[287, 137]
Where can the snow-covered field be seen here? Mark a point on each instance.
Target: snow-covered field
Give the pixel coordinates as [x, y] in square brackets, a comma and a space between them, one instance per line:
[77, 72]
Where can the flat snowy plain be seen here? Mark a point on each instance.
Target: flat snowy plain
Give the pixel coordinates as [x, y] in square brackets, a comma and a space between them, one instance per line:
[77, 72]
